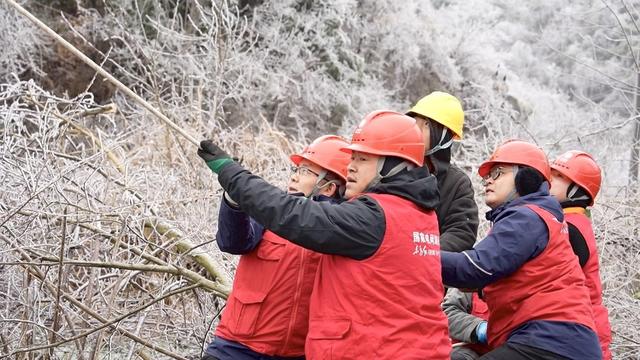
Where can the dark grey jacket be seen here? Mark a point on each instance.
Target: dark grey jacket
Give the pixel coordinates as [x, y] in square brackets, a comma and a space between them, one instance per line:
[457, 210]
[458, 305]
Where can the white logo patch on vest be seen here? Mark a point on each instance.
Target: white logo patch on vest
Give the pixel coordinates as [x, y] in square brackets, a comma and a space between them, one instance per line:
[425, 243]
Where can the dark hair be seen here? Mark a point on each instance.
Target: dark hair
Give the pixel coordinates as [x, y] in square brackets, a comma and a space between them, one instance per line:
[528, 180]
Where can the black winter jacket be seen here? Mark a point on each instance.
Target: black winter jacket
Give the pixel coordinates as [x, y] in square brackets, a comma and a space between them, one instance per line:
[457, 211]
[352, 228]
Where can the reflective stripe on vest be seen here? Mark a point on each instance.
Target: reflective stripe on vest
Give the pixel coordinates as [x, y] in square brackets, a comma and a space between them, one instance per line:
[550, 286]
[591, 272]
[267, 309]
[388, 304]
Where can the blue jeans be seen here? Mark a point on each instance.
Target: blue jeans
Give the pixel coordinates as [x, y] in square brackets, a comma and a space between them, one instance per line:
[223, 349]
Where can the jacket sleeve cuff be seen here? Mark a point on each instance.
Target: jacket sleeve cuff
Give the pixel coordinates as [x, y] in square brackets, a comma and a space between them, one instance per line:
[229, 201]
[227, 173]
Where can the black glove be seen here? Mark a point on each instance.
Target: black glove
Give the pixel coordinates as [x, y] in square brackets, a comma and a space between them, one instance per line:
[214, 156]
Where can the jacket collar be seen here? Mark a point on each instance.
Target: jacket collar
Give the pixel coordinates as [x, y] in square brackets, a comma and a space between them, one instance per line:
[575, 210]
[540, 198]
[416, 185]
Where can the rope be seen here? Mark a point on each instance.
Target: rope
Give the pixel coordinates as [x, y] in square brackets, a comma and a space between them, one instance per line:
[103, 72]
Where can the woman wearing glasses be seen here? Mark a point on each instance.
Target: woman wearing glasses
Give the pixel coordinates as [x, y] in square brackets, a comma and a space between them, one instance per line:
[267, 313]
[530, 278]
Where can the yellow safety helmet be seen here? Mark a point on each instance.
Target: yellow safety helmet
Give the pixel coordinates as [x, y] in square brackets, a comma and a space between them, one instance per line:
[443, 108]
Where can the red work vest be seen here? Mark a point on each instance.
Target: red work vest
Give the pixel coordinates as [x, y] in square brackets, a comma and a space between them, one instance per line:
[591, 270]
[388, 305]
[550, 287]
[479, 308]
[268, 308]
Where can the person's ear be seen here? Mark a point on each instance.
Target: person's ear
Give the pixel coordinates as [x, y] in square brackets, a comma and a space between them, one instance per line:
[331, 190]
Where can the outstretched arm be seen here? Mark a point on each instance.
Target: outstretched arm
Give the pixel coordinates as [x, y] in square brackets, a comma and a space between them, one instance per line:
[517, 237]
[354, 228]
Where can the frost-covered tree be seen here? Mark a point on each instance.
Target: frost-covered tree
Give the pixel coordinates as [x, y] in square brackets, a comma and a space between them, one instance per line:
[261, 77]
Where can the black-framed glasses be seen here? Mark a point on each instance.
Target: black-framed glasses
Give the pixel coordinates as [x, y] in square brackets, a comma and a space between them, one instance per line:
[494, 174]
[303, 171]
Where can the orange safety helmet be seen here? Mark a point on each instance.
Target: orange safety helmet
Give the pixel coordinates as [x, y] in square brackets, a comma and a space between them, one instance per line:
[518, 152]
[581, 168]
[388, 133]
[326, 152]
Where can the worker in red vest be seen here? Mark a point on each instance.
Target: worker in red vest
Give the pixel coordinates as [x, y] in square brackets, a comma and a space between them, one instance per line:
[378, 290]
[575, 179]
[467, 314]
[539, 306]
[267, 312]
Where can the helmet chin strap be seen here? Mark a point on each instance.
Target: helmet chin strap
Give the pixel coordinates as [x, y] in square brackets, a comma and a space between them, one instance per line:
[571, 192]
[395, 170]
[440, 145]
[316, 187]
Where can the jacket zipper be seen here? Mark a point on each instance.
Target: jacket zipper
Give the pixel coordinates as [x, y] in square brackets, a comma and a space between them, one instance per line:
[296, 299]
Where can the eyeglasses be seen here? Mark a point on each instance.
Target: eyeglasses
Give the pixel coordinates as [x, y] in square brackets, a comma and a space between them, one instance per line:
[303, 171]
[494, 174]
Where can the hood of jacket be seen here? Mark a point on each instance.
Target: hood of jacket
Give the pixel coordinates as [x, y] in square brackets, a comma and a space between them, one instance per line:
[541, 198]
[416, 185]
[439, 162]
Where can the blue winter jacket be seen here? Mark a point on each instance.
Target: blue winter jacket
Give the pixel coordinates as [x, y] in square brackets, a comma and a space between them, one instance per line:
[517, 236]
[237, 232]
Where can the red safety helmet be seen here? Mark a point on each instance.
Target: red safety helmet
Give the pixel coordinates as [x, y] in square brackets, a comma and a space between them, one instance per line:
[580, 168]
[326, 152]
[388, 133]
[518, 152]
